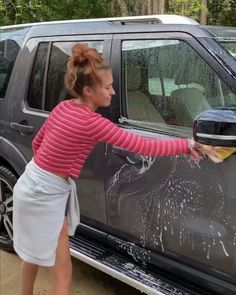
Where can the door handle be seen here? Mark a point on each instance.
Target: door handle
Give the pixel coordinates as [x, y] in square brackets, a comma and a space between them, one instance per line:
[22, 127]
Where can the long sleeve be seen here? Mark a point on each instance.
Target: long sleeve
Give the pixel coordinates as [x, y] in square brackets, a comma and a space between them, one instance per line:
[39, 138]
[72, 130]
[103, 130]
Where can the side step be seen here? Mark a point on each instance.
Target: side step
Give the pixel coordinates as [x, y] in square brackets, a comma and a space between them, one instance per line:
[123, 269]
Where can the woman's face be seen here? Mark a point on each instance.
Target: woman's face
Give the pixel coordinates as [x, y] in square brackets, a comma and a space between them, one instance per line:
[101, 94]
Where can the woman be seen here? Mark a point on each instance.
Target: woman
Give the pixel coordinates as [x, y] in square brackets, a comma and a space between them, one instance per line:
[60, 150]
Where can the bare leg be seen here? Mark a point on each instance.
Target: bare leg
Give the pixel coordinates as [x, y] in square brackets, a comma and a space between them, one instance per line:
[28, 274]
[62, 270]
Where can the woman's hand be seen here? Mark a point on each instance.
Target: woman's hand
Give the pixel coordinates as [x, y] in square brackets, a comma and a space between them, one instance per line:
[195, 155]
[216, 153]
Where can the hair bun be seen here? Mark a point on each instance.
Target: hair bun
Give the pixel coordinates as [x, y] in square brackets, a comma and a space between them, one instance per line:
[83, 54]
[79, 60]
[82, 68]
[78, 54]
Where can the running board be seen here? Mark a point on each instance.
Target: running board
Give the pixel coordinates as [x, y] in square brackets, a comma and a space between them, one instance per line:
[122, 268]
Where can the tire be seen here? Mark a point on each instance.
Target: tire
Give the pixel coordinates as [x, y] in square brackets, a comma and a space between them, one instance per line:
[7, 182]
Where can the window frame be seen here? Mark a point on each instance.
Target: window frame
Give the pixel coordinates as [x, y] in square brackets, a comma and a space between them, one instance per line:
[48, 44]
[190, 40]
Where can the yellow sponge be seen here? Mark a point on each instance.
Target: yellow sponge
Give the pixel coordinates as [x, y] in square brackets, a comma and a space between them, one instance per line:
[221, 153]
[225, 152]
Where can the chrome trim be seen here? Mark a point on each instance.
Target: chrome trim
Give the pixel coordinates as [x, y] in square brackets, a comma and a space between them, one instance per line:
[115, 274]
[213, 136]
[160, 18]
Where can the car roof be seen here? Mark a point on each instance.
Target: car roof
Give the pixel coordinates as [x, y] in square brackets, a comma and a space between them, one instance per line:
[148, 23]
[137, 24]
[161, 18]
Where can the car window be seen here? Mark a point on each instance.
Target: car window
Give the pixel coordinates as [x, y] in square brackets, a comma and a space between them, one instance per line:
[167, 84]
[35, 94]
[10, 42]
[47, 80]
[60, 52]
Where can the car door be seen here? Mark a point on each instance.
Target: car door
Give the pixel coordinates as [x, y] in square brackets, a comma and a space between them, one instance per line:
[43, 66]
[178, 209]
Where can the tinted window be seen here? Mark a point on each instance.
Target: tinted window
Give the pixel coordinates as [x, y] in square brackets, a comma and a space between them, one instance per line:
[35, 95]
[10, 41]
[55, 90]
[47, 79]
[168, 84]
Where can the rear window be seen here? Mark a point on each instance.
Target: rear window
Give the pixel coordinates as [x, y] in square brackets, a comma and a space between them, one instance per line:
[10, 42]
[46, 87]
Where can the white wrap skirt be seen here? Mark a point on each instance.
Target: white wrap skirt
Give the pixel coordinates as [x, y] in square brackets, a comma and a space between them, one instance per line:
[40, 201]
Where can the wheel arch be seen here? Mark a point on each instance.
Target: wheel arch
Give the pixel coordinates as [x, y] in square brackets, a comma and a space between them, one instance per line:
[11, 157]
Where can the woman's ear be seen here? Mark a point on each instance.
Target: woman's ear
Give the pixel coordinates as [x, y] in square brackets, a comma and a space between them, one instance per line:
[87, 91]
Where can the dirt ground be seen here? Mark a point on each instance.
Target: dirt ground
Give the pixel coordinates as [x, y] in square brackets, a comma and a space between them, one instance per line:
[86, 280]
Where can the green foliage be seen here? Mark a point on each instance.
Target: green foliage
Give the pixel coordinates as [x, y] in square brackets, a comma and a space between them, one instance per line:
[22, 11]
[219, 12]
[188, 8]
[72, 9]
[223, 12]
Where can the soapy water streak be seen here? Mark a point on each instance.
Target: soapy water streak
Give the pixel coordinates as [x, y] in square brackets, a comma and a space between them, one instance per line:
[170, 210]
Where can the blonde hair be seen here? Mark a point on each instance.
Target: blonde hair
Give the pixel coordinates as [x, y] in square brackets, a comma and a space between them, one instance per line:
[82, 68]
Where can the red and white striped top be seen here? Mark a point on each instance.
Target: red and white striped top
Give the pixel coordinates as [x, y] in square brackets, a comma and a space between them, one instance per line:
[72, 130]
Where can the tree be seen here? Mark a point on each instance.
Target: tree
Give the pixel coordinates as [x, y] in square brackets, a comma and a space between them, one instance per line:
[203, 15]
[222, 12]
[144, 8]
[149, 7]
[205, 11]
[162, 6]
[192, 8]
[123, 7]
[155, 7]
[23, 11]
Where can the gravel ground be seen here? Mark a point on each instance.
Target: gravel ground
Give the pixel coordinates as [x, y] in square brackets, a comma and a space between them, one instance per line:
[86, 280]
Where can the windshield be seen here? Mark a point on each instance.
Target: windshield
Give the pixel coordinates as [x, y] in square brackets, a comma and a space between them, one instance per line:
[225, 36]
[230, 47]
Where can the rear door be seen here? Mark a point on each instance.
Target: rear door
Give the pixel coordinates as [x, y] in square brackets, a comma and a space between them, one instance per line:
[38, 87]
[179, 210]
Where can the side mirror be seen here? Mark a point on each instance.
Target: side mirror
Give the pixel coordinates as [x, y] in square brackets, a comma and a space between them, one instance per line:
[216, 127]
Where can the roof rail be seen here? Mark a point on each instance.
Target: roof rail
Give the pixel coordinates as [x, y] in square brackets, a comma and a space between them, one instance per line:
[158, 18]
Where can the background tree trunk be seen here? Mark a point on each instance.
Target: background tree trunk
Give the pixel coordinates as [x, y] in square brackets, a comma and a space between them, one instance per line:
[123, 7]
[144, 8]
[149, 7]
[155, 6]
[184, 7]
[167, 5]
[161, 6]
[136, 6]
[112, 7]
[203, 15]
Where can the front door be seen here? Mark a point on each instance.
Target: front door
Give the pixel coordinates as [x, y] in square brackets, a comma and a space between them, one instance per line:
[176, 208]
